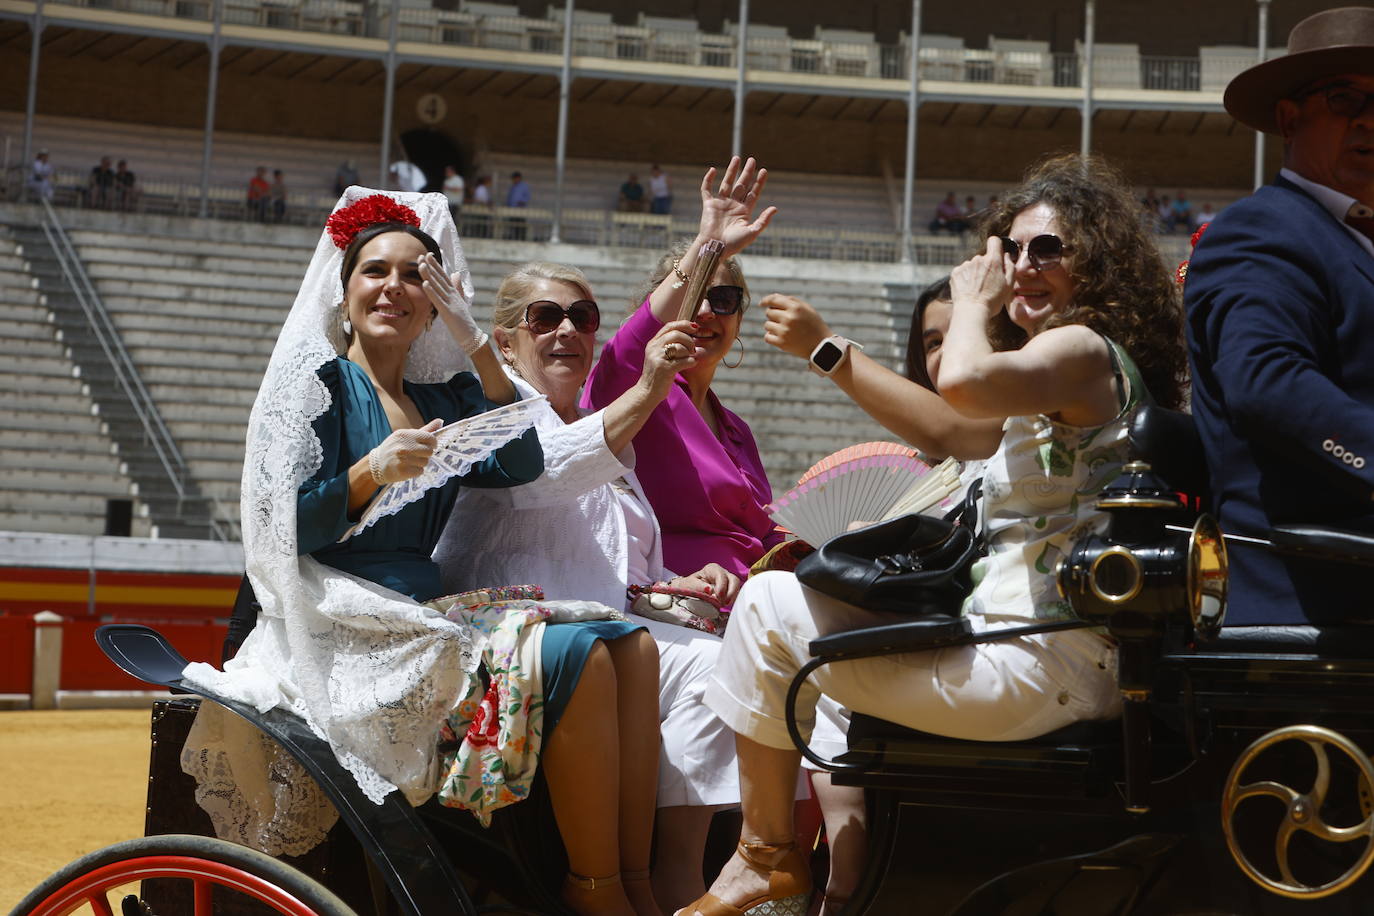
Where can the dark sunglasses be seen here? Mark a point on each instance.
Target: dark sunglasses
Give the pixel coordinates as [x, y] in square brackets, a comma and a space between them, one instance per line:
[1044, 251]
[543, 316]
[1343, 101]
[725, 300]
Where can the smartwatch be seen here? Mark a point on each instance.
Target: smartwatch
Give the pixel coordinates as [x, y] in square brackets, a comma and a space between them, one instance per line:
[831, 353]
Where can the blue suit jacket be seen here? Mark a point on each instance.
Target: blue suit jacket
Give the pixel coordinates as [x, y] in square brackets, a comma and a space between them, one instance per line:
[1280, 302]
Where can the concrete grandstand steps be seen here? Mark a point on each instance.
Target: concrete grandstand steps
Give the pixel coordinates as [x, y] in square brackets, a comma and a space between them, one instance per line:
[193, 379]
[247, 335]
[206, 393]
[165, 348]
[199, 412]
[199, 302]
[243, 280]
[34, 416]
[54, 458]
[56, 441]
[182, 260]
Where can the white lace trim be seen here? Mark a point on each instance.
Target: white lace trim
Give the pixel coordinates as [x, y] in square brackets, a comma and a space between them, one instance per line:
[371, 671]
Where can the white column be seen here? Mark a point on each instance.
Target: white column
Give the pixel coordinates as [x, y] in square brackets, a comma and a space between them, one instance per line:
[1260, 54]
[389, 102]
[211, 94]
[561, 150]
[1089, 27]
[47, 660]
[912, 108]
[31, 96]
[741, 61]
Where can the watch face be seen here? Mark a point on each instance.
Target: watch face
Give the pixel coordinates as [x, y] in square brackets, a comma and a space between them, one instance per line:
[827, 356]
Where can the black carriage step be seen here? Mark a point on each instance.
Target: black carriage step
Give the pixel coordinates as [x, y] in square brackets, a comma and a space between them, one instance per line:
[1080, 761]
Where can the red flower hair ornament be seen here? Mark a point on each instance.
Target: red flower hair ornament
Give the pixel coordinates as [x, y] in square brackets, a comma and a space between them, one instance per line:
[345, 223]
[1181, 274]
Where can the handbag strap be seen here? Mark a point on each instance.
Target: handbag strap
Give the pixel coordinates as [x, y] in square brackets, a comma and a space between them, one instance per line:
[966, 514]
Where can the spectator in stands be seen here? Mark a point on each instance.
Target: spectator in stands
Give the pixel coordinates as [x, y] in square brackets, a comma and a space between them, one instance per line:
[631, 195]
[586, 530]
[1203, 216]
[39, 181]
[259, 195]
[480, 220]
[660, 191]
[1181, 213]
[1164, 214]
[407, 176]
[1150, 202]
[971, 211]
[454, 189]
[1278, 293]
[481, 194]
[278, 195]
[100, 186]
[1092, 345]
[345, 176]
[517, 195]
[354, 630]
[949, 217]
[711, 509]
[126, 189]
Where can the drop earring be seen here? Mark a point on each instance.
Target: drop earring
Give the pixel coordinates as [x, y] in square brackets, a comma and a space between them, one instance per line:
[739, 361]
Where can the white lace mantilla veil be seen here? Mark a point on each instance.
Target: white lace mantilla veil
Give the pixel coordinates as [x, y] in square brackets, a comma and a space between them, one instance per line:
[371, 671]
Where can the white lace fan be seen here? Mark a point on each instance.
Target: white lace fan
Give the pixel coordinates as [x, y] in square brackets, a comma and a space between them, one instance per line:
[461, 445]
[869, 482]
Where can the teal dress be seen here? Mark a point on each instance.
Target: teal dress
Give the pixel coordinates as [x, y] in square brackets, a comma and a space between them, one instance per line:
[395, 552]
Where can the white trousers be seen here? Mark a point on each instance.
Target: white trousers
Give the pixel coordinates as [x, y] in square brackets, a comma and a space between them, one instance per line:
[696, 758]
[1000, 691]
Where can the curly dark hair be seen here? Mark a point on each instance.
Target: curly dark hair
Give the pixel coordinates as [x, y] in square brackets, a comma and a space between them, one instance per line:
[1122, 288]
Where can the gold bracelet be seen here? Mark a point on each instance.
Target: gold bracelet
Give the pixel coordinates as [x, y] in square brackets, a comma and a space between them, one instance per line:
[681, 277]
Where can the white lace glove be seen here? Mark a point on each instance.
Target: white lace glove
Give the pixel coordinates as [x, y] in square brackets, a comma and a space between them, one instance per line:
[403, 454]
[452, 295]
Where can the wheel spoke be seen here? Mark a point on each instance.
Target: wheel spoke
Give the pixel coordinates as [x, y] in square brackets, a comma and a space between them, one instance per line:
[100, 903]
[1324, 830]
[1266, 787]
[204, 898]
[1286, 831]
[1323, 780]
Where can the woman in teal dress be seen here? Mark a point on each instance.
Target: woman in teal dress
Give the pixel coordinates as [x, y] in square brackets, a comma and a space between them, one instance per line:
[351, 635]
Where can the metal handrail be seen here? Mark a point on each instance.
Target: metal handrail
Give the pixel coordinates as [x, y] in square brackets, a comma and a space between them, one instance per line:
[126, 373]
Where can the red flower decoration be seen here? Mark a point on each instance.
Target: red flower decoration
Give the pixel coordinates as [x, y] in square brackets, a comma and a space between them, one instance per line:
[486, 724]
[345, 224]
[1200, 229]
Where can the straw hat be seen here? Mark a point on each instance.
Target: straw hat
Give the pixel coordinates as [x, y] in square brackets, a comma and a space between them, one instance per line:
[1325, 44]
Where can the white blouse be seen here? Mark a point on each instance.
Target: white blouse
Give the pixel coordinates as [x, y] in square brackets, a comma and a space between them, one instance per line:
[567, 531]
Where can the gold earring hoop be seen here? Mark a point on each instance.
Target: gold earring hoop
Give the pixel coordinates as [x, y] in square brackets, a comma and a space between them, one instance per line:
[739, 362]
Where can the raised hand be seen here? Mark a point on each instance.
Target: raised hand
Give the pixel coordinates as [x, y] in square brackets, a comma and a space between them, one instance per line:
[985, 278]
[792, 325]
[727, 209]
[452, 295]
[403, 454]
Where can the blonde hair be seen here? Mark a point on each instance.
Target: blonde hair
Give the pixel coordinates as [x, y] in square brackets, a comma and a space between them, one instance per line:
[518, 286]
[665, 267]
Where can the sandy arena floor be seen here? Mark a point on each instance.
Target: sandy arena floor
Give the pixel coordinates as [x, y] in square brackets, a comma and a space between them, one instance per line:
[71, 781]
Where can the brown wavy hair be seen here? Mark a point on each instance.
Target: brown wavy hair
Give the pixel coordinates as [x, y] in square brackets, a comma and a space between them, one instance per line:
[1122, 288]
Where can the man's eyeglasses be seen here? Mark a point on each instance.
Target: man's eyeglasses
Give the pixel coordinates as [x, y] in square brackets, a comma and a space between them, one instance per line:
[1343, 101]
[543, 316]
[725, 300]
[1044, 251]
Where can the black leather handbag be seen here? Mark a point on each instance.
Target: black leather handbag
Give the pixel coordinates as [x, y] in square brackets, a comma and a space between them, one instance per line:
[917, 565]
